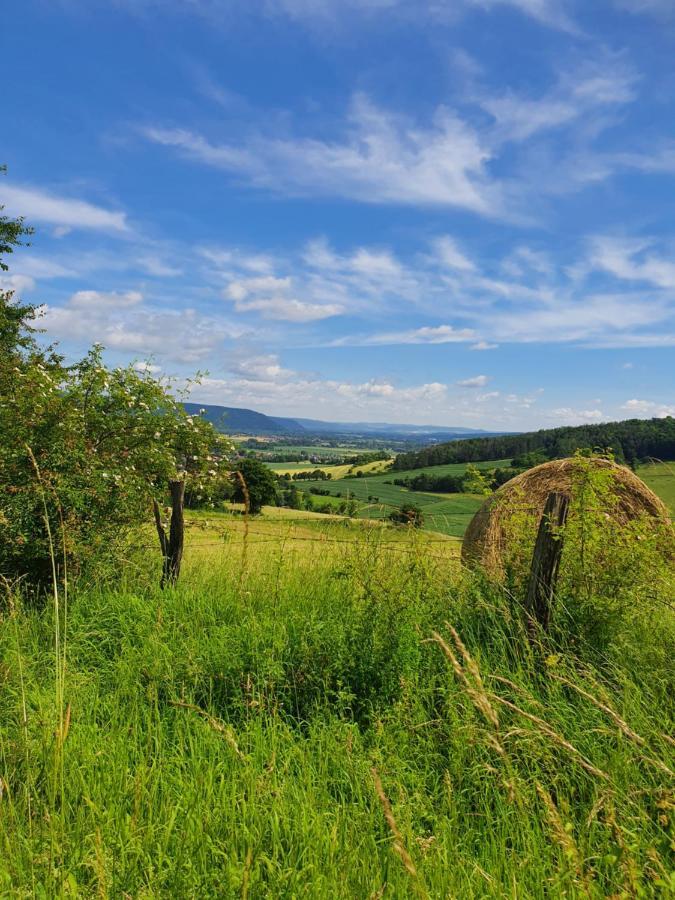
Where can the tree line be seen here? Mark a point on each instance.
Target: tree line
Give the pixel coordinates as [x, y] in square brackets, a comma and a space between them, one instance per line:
[630, 442]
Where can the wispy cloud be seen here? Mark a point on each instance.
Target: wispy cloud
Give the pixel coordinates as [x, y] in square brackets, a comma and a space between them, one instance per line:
[38, 205]
[315, 13]
[272, 298]
[630, 259]
[428, 334]
[477, 381]
[381, 158]
[591, 87]
[577, 416]
[648, 409]
[661, 9]
[454, 156]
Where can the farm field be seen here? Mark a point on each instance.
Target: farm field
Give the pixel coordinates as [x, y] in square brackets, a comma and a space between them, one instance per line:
[660, 477]
[334, 449]
[451, 468]
[301, 534]
[336, 472]
[447, 514]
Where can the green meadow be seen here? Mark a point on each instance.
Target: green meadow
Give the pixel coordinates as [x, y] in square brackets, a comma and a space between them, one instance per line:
[660, 476]
[330, 709]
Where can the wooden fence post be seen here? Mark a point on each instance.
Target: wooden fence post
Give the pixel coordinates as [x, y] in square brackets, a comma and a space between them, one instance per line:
[546, 560]
[171, 545]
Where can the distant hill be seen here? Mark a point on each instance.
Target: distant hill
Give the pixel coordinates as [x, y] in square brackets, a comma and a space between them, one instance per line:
[384, 428]
[235, 420]
[630, 440]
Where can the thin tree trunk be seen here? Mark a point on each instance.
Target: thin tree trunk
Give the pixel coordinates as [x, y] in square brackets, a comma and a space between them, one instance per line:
[171, 546]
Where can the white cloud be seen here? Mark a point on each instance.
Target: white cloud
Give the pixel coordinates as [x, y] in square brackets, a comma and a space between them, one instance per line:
[552, 13]
[661, 9]
[475, 382]
[329, 13]
[102, 300]
[581, 93]
[39, 206]
[148, 367]
[288, 309]
[37, 267]
[16, 284]
[448, 254]
[382, 158]
[261, 368]
[271, 297]
[293, 392]
[599, 319]
[573, 416]
[122, 322]
[225, 258]
[648, 408]
[628, 259]
[155, 265]
[439, 334]
[239, 290]
[460, 299]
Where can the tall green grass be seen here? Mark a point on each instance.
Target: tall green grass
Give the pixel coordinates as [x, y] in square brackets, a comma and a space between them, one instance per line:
[374, 725]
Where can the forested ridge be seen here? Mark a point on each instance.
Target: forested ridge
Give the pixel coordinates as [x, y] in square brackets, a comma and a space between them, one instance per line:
[630, 440]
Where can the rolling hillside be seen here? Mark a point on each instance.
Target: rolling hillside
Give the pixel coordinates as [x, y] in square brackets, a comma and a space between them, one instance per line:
[233, 420]
[236, 420]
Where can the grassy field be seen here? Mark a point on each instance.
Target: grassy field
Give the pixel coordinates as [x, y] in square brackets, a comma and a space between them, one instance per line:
[661, 479]
[447, 514]
[285, 724]
[336, 472]
[451, 468]
[303, 533]
[444, 513]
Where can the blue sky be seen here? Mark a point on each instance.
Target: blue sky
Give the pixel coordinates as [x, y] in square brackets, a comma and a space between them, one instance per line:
[456, 212]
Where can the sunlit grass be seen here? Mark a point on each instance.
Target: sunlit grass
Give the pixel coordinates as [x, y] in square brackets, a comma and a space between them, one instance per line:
[284, 723]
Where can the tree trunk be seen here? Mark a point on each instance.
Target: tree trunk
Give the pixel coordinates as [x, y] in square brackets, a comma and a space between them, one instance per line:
[546, 560]
[171, 546]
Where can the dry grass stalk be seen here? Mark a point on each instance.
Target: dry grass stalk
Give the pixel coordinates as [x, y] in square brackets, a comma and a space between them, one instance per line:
[518, 689]
[485, 538]
[622, 725]
[100, 867]
[629, 867]
[476, 690]
[558, 739]
[247, 874]
[562, 834]
[398, 845]
[64, 728]
[214, 723]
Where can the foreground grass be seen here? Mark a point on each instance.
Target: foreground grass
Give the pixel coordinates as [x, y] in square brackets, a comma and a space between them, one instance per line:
[356, 723]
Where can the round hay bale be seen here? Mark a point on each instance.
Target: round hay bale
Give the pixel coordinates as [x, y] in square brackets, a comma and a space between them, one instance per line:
[485, 539]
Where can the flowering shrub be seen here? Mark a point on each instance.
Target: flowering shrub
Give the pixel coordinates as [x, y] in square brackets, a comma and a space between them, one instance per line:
[83, 449]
